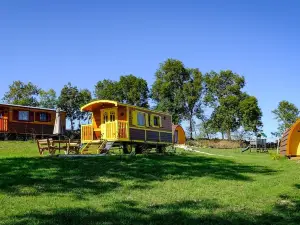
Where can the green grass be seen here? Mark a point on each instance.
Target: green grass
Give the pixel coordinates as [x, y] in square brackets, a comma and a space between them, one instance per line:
[185, 188]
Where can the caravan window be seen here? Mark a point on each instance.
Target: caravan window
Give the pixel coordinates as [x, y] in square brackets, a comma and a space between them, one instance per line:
[43, 117]
[105, 117]
[112, 116]
[141, 119]
[156, 121]
[23, 115]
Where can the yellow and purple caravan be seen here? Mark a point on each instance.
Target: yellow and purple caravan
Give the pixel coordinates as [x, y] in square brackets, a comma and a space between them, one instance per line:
[115, 123]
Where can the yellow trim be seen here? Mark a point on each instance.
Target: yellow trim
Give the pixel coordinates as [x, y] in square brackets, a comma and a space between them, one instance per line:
[130, 141]
[121, 104]
[151, 142]
[128, 133]
[126, 140]
[147, 119]
[136, 118]
[97, 102]
[141, 108]
[140, 128]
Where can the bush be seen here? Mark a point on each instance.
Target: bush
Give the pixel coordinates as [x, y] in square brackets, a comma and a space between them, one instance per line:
[216, 143]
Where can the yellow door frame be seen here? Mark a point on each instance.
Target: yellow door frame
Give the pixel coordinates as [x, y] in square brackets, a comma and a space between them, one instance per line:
[107, 111]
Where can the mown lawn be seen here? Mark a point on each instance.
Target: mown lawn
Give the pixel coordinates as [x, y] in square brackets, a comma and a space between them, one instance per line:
[186, 188]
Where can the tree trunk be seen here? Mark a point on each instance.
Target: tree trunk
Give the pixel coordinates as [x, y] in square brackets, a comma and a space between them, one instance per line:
[191, 128]
[229, 135]
[207, 136]
[72, 125]
[222, 135]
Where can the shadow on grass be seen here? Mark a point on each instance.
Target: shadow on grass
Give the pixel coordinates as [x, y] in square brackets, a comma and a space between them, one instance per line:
[185, 212]
[34, 176]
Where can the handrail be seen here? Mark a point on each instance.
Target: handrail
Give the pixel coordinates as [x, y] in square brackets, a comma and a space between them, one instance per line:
[3, 124]
[122, 127]
[87, 132]
[113, 130]
[116, 129]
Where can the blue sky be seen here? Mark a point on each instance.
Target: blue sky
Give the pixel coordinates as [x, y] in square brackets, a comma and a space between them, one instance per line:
[53, 42]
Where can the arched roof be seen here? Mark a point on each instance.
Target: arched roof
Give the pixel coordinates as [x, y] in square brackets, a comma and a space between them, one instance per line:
[96, 104]
[174, 127]
[290, 139]
[108, 103]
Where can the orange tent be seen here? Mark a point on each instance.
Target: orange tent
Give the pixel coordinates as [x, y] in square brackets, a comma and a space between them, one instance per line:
[290, 141]
[178, 135]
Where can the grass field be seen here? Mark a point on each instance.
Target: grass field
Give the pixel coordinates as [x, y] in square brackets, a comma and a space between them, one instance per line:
[185, 188]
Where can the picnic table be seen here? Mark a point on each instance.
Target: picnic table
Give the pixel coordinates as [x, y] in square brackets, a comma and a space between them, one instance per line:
[69, 146]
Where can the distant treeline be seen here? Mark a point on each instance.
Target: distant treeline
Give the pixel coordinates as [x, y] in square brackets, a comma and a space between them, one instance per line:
[186, 93]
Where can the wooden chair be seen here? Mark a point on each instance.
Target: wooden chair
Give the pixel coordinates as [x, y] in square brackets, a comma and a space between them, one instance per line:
[73, 146]
[45, 145]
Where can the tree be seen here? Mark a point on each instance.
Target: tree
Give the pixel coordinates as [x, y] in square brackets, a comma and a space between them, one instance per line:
[225, 116]
[286, 114]
[221, 85]
[223, 93]
[107, 89]
[250, 114]
[48, 99]
[177, 90]
[85, 96]
[133, 90]
[205, 129]
[22, 94]
[192, 90]
[129, 89]
[167, 90]
[71, 99]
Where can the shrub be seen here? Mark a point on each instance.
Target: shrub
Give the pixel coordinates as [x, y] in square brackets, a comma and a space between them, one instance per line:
[216, 143]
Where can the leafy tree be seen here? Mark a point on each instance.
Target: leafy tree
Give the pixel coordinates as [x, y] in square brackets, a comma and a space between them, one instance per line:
[21, 93]
[85, 96]
[177, 90]
[107, 89]
[250, 114]
[225, 116]
[71, 99]
[192, 90]
[205, 128]
[223, 92]
[133, 90]
[130, 89]
[221, 85]
[286, 114]
[48, 99]
[167, 90]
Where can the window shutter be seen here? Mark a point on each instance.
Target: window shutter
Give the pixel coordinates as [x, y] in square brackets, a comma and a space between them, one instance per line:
[160, 122]
[134, 117]
[49, 117]
[37, 116]
[147, 119]
[152, 120]
[15, 115]
[31, 116]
